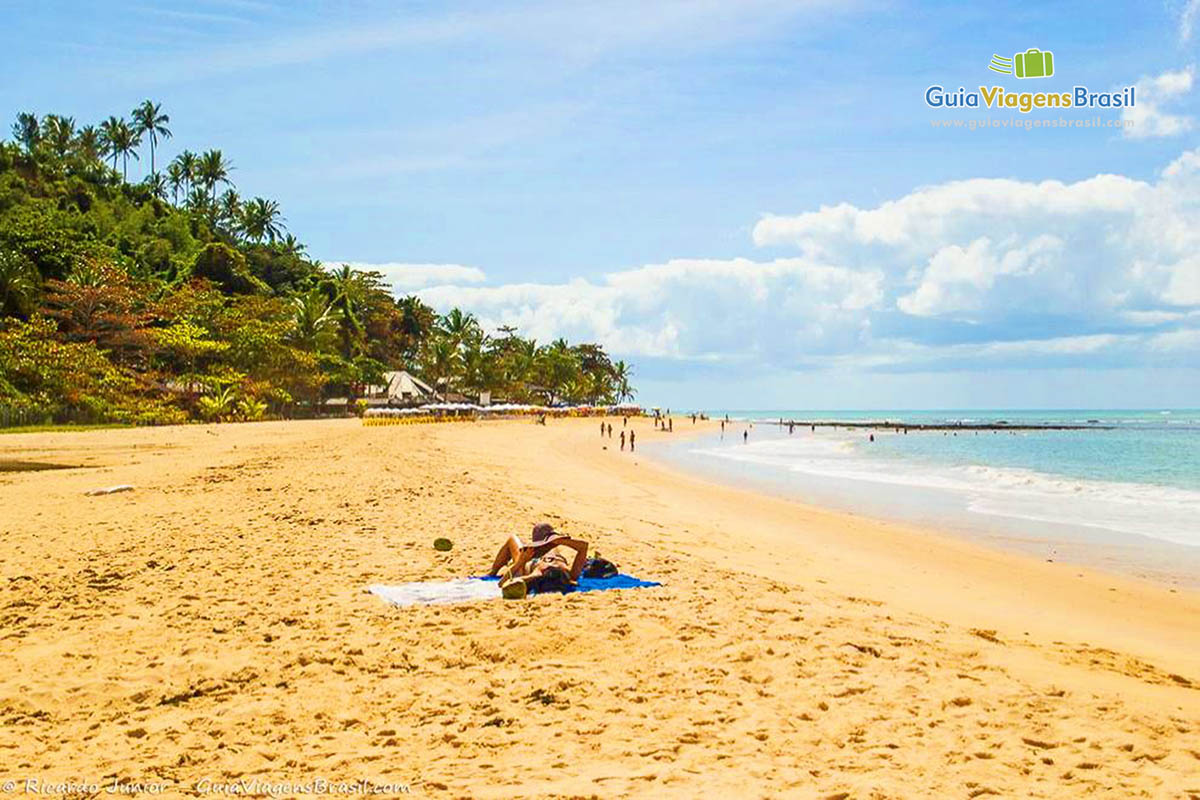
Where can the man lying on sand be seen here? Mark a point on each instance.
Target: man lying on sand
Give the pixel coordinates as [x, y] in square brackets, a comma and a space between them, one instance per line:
[540, 566]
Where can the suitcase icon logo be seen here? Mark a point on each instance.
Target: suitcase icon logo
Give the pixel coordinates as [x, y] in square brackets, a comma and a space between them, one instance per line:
[1033, 63]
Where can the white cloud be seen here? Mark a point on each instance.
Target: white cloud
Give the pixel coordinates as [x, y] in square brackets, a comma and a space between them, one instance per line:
[567, 31]
[1188, 161]
[410, 277]
[1187, 20]
[1101, 272]
[985, 250]
[961, 279]
[689, 308]
[1147, 116]
[1186, 340]
[1183, 288]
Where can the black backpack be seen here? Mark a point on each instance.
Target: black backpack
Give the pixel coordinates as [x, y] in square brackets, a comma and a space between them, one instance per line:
[599, 568]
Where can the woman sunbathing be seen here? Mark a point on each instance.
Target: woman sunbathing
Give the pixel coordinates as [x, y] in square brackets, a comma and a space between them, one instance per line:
[541, 565]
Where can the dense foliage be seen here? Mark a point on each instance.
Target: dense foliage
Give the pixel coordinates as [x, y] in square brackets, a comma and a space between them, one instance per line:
[175, 298]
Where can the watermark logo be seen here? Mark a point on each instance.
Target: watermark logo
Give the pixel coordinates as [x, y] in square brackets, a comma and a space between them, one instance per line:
[1033, 63]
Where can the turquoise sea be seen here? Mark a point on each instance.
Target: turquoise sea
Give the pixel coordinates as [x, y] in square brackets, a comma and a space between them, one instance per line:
[1125, 491]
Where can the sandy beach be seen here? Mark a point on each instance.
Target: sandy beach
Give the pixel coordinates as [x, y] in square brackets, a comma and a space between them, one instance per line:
[212, 626]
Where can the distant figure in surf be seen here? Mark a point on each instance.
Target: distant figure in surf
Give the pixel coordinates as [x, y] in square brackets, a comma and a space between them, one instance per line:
[745, 436]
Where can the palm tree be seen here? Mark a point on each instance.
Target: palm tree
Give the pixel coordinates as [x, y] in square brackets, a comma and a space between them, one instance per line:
[441, 362]
[312, 320]
[291, 246]
[27, 131]
[197, 200]
[522, 365]
[19, 283]
[261, 220]
[621, 373]
[148, 118]
[187, 163]
[89, 144]
[59, 134]
[110, 131]
[230, 211]
[122, 140]
[212, 169]
[478, 368]
[417, 320]
[344, 291]
[176, 179]
[458, 326]
[157, 185]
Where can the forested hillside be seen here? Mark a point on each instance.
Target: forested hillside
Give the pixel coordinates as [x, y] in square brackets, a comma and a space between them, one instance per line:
[140, 288]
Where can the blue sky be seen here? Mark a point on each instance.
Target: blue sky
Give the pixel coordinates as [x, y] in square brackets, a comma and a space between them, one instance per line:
[747, 200]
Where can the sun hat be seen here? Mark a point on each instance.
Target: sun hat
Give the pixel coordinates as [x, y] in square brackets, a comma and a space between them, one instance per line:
[544, 533]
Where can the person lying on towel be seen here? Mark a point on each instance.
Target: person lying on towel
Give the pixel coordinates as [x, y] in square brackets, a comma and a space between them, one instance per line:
[541, 565]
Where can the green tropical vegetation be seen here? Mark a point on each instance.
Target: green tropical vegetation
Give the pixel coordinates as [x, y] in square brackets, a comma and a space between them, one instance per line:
[173, 298]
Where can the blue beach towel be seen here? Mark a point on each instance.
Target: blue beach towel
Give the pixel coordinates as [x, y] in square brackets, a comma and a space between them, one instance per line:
[469, 590]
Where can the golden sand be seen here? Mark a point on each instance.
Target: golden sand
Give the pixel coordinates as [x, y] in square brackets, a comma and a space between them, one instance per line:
[211, 625]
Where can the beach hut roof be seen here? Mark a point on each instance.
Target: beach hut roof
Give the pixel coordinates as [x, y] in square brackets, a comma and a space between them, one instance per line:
[402, 383]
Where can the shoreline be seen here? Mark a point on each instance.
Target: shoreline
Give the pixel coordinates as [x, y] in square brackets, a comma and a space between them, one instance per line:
[1161, 561]
[903, 534]
[808, 651]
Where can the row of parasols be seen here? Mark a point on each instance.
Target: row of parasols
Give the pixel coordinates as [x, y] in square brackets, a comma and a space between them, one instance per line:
[469, 412]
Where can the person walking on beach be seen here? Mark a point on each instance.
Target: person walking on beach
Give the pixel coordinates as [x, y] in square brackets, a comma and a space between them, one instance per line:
[670, 424]
[610, 430]
[625, 424]
[631, 435]
[745, 436]
[622, 441]
[602, 429]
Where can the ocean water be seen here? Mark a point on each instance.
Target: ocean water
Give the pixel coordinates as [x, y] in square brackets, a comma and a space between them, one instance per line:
[1125, 492]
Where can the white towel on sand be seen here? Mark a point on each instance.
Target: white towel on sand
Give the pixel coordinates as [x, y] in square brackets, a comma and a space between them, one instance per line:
[428, 593]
